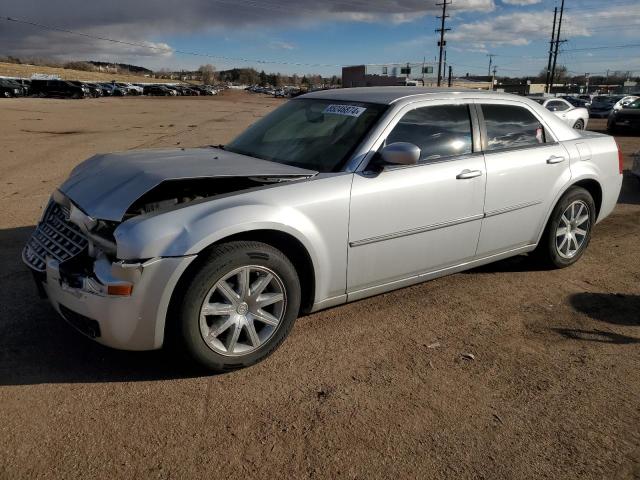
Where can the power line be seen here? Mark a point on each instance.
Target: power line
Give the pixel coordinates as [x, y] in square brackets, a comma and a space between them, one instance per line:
[631, 45]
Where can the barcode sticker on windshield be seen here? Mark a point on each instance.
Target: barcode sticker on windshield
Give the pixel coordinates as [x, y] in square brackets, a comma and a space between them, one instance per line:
[348, 110]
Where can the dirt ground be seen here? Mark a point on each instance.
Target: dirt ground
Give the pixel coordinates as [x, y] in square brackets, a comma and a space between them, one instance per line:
[375, 389]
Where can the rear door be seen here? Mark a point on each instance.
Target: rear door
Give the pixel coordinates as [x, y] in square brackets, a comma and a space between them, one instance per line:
[408, 220]
[526, 169]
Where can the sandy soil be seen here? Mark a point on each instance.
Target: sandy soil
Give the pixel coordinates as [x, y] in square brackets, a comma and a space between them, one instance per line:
[376, 389]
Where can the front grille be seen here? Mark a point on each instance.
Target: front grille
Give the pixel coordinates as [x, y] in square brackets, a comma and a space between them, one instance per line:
[54, 237]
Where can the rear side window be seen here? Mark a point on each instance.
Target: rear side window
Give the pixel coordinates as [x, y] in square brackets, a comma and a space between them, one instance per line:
[557, 106]
[509, 126]
[440, 131]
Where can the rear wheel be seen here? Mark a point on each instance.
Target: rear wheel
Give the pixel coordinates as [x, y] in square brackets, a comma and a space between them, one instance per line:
[569, 229]
[239, 306]
[579, 125]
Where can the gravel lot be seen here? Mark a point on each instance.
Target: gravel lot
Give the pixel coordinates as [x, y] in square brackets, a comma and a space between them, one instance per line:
[375, 389]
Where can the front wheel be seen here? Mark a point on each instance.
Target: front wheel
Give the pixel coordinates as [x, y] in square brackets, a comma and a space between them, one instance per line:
[239, 306]
[579, 125]
[569, 229]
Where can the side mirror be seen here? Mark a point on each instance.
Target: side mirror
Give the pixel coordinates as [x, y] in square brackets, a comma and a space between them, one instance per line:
[401, 153]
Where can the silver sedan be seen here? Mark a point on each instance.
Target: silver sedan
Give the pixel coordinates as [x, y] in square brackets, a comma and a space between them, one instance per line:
[333, 197]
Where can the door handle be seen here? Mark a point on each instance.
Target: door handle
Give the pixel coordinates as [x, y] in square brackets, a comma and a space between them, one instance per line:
[555, 159]
[466, 174]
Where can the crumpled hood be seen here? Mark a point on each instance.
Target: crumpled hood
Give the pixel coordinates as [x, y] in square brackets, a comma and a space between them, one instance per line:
[105, 186]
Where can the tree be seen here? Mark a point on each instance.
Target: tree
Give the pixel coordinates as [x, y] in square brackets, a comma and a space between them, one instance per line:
[207, 74]
[263, 79]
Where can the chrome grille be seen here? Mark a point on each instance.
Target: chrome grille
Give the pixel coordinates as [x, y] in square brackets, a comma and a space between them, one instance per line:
[54, 237]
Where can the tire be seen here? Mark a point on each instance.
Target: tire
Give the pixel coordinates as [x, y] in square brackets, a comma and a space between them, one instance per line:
[233, 316]
[554, 249]
[579, 125]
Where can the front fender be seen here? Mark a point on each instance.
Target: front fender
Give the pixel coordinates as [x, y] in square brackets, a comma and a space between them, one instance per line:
[316, 213]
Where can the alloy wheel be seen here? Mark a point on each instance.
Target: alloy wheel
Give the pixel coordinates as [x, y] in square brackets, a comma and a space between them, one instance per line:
[573, 229]
[243, 310]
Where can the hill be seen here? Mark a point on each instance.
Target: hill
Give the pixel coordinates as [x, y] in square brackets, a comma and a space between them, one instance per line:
[26, 70]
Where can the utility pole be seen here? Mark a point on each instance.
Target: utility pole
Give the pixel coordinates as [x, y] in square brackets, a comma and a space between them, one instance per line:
[493, 79]
[450, 76]
[490, 55]
[442, 43]
[553, 34]
[586, 83]
[555, 53]
[444, 65]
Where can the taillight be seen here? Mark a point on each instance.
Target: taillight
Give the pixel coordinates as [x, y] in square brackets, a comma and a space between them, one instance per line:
[620, 159]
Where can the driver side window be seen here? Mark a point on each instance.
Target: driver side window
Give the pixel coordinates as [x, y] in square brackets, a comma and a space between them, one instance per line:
[441, 131]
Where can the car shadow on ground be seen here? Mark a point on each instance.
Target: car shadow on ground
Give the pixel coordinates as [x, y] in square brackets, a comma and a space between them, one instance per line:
[630, 192]
[612, 308]
[595, 335]
[37, 346]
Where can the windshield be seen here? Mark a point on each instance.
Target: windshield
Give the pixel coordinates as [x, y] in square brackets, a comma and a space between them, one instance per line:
[605, 99]
[539, 100]
[634, 104]
[308, 133]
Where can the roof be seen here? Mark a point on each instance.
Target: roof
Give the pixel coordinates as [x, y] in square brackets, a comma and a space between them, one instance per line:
[389, 95]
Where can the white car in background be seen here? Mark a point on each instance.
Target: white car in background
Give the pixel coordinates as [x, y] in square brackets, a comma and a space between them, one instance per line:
[575, 117]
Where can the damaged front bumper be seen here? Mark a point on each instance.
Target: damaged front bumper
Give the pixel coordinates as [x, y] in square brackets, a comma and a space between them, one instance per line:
[127, 322]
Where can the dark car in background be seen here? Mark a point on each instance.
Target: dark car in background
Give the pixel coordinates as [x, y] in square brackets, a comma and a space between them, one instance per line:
[58, 88]
[157, 90]
[577, 102]
[627, 118]
[92, 89]
[9, 89]
[601, 106]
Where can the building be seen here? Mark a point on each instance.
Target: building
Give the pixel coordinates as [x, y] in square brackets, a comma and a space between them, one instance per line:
[410, 74]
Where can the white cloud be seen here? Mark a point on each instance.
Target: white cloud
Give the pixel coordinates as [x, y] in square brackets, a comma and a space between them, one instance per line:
[137, 20]
[521, 2]
[282, 45]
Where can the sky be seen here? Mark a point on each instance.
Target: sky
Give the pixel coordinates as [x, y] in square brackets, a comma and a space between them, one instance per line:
[320, 36]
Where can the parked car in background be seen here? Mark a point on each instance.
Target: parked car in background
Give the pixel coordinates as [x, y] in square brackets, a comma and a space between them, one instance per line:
[575, 117]
[17, 89]
[158, 90]
[9, 89]
[577, 102]
[624, 101]
[625, 119]
[58, 88]
[92, 89]
[602, 105]
[586, 98]
[333, 197]
[130, 88]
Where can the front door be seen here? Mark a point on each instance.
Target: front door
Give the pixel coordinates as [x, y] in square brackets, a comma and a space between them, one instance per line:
[407, 221]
